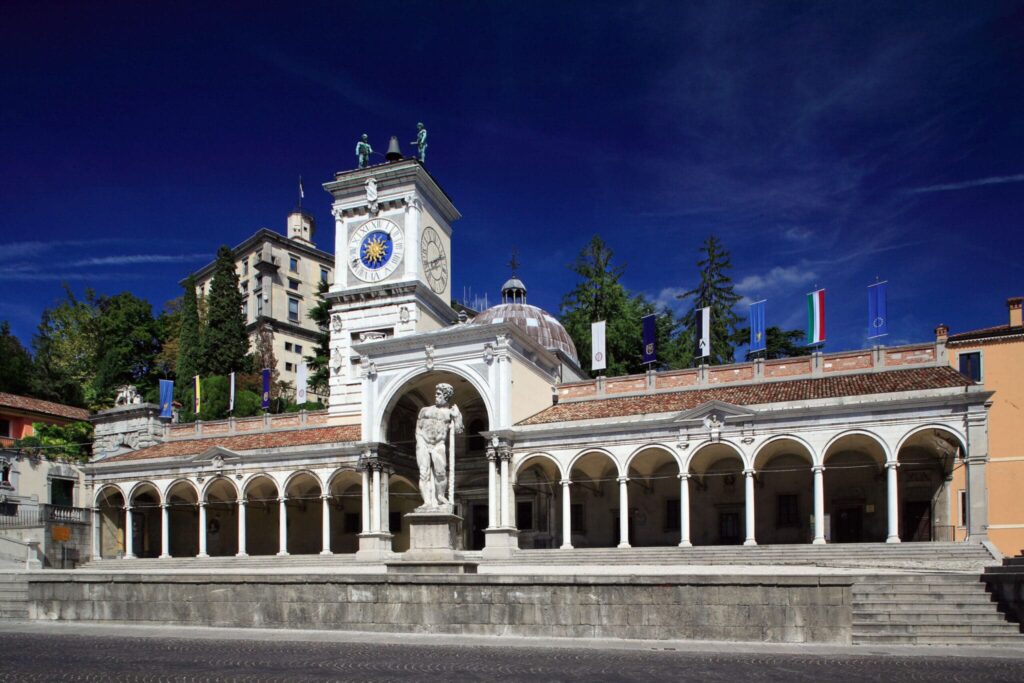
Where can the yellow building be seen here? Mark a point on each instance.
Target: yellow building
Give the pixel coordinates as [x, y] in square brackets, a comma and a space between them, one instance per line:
[994, 356]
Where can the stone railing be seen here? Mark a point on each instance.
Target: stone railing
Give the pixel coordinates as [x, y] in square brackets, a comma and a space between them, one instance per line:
[32, 515]
[246, 425]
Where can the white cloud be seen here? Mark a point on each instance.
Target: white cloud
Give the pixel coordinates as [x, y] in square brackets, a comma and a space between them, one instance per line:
[133, 259]
[775, 278]
[978, 182]
[668, 298]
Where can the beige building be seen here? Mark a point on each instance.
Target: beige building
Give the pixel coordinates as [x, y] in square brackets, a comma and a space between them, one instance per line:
[994, 357]
[279, 276]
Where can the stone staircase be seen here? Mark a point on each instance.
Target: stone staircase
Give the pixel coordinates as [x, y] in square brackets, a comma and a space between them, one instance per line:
[929, 609]
[927, 556]
[13, 596]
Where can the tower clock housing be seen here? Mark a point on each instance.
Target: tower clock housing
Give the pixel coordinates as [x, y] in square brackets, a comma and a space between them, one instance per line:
[392, 264]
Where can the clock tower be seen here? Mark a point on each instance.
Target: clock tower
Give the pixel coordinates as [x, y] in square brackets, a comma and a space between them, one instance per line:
[392, 273]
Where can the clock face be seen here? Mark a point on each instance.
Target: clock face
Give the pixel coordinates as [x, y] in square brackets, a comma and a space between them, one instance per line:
[375, 250]
[435, 262]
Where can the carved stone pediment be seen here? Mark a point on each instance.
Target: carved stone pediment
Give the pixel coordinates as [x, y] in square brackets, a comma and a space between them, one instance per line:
[715, 413]
[216, 457]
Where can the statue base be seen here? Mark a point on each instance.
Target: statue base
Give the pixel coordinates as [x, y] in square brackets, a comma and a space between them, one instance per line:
[433, 536]
[500, 543]
[374, 547]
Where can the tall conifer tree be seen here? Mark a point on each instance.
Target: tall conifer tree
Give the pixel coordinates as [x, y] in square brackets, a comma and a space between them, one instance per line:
[190, 344]
[715, 290]
[318, 363]
[225, 342]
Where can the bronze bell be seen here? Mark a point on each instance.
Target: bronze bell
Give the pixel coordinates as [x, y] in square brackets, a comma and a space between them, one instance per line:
[394, 153]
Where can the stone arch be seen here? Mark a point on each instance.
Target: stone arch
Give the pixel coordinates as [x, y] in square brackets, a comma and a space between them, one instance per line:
[716, 486]
[391, 394]
[304, 509]
[262, 514]
[783, 490]
[653, 471]
[217, 479]
[594, 498]
[110, 502]
[537, 491]
[345, 488]
[220, 495]
[701, 450]
[855, 487]
[182, 498]
[927, 457]
[147, 519]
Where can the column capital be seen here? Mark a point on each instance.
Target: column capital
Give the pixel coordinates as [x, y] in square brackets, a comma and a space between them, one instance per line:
[505, 454]
[749, 473]
[683, 476]
[127, 508]
[282, 499]
[241, 501]
[491, 454]
[201, 504]
[325, 496]
[164, 506]
[817, 469]
[565, 482]
[892, 464]
[622, 480]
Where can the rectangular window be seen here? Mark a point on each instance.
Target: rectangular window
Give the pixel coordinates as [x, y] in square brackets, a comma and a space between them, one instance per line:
[524, 515]
[293, 310]
[324, 274]
[245, 266]
[288, 367]
[970, 365]
[245, 307]
[298, 348]
[293, 284]
[961, 518]
[259, 305]
[787, 510]
[62, 492]
[244, 285]
[287, 346]
[293, 264]
[672, 520]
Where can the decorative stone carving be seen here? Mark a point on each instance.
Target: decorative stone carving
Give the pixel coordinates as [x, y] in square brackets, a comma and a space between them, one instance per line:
[127, 395]
[429, 351]
[403, 314]
[488, 352]
[337, 359]
[217, 462]
[336, 322]
[371, 196]
[371, 336]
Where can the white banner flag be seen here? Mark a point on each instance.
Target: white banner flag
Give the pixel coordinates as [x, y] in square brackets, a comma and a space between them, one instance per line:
[301, 381]
[704, 340]
[231, 396]
[598, 359]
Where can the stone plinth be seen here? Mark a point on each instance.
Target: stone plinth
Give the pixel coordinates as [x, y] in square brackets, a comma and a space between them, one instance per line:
[500, 543]
[374, 547]
[433, 536]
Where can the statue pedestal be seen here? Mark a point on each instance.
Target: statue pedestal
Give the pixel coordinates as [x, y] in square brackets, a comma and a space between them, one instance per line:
[500, 543]
[434, 538]
[374, 547]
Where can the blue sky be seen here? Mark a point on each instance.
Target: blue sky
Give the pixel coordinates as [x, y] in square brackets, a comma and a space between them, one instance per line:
[825, 143]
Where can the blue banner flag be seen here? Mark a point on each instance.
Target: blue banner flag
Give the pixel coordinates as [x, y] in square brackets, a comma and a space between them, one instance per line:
[878, 316]
[650, 333]
[266, 389]
[166, 398]
[758, 333]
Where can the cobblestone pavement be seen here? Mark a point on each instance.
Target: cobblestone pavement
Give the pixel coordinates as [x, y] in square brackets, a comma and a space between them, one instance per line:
[74, 657]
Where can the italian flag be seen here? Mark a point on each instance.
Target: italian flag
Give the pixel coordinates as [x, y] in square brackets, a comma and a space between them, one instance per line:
[816, 317]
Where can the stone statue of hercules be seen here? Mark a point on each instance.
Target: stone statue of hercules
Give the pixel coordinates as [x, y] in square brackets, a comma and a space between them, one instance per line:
[432, 429]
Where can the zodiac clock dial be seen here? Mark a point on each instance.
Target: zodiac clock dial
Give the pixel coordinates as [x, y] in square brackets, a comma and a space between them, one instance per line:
[434, 260]
[375, 250]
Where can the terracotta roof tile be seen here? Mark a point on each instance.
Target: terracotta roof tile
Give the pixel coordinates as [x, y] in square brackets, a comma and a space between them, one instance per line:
[243, 442]
[987, 333]
[861, 384]
[35, 405]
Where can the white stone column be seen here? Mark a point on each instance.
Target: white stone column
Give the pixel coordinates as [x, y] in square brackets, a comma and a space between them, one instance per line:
[165, 532]
[366, 500]
[819, 504]
[624, 512]
[748, 501]
[892, 491]
[385, 501]
[282, 531]
[242, 522]
[128, 540]
[566, 515]
[326, 530]
[97, 529]
[202, 530]
[492, 490]
[375, 512]
[684, 511]
[506, 517]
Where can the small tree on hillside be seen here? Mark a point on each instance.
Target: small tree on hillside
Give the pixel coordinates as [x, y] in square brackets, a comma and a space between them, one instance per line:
[15, 363]
[225, 342]
[127, 345]
[715, 289]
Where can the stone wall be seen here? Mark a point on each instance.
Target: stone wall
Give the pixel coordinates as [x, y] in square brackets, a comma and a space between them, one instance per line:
[1007, 587]
[792, 609]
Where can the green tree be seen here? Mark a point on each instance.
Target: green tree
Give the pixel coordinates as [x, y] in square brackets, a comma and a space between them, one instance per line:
[190, 349]
[599, 295]
[15, 363]
[126, 346]
[225, 342]
[168, 330]
[779, 343]
[716, 290]
[65, 346]
[72, 441]
[319, 362]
